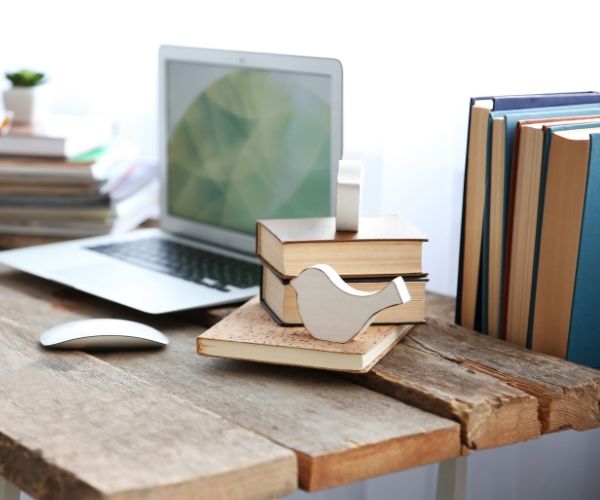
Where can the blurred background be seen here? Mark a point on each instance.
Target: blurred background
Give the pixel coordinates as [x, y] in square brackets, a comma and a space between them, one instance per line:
[409, 71]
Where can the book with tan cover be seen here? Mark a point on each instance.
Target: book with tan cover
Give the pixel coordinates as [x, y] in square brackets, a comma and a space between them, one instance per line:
[250, 334]
[383, 246]
[279, 297]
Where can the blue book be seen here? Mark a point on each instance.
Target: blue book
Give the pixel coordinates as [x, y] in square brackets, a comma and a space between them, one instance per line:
[506, 103]
[584, 334]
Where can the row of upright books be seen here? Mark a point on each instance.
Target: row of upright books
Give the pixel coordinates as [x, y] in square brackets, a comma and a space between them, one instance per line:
[530, 245]
[69, 177]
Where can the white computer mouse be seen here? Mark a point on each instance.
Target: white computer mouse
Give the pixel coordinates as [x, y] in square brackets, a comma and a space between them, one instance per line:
[102, 334]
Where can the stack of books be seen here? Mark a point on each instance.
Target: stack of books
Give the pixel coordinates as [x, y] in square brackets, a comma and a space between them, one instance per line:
[68, 177]
[531, 223]
[382, 249]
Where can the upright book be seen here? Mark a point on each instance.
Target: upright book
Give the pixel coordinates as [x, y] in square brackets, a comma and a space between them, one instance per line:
[565, 313]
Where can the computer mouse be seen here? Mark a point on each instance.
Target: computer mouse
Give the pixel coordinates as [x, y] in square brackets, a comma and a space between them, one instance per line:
[102, 334]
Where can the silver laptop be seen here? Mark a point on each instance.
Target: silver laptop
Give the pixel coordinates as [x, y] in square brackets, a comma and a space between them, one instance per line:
[243, 136]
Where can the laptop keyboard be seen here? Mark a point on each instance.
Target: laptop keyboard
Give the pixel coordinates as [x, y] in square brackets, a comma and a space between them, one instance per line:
[185, 262]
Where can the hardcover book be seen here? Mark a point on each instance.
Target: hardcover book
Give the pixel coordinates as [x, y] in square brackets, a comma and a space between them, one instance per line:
[383, 246]
[565, 287]
[279, 298]
[250, 334]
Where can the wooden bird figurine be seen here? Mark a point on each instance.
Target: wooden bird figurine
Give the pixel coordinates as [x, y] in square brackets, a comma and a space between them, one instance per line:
[333, 310]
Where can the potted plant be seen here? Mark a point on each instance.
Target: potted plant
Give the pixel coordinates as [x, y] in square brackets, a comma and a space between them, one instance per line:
[26, 98]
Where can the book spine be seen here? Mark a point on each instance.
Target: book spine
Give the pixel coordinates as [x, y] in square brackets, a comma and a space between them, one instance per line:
[584, 334]
[482, 316]
[459, 286]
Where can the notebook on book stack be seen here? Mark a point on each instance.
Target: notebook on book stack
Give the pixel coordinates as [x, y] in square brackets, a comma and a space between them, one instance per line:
[529, 218]
[382, 249]
[69, 177]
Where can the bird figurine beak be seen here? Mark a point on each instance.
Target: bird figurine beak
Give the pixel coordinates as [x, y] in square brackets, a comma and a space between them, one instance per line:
[334, 311]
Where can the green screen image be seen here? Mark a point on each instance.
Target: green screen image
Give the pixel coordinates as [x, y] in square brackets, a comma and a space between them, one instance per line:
[248, 144]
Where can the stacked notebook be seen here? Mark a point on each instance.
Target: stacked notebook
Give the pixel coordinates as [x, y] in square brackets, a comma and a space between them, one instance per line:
[69, 176]
[382, 249]
[531, 223]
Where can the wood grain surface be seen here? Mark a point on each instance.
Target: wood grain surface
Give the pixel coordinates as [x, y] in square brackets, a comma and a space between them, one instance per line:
[75, 427]
[495, 390]
[490, 412]
[568, 394]
[339, 431]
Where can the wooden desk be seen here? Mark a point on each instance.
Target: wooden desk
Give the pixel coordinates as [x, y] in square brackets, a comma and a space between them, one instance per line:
[171, 424]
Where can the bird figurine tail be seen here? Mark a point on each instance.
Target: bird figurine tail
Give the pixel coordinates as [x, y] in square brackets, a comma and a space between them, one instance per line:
[333, 310]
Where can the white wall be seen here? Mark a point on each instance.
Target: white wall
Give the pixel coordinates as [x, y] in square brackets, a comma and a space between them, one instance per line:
[409, 71]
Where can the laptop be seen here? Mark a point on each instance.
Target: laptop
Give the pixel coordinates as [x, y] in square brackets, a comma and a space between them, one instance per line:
[243, 136]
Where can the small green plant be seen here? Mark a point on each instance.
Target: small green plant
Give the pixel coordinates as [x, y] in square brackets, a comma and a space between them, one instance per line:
[26, 78]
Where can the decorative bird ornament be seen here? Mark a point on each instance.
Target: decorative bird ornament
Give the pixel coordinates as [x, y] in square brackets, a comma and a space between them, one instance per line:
[332, 310]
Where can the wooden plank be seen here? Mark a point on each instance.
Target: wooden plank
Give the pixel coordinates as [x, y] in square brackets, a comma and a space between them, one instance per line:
[568, 394]
[485, 384]
[441, 307]
[341, 432]
[75, 427]
[481, 382]
[490, 412]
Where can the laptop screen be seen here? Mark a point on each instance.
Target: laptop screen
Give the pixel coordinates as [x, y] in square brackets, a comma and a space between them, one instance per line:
[247, 144]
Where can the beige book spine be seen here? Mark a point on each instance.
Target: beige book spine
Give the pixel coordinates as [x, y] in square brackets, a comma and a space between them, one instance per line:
[559, 245]
[527, 193]
[473, 210]
[281, 299]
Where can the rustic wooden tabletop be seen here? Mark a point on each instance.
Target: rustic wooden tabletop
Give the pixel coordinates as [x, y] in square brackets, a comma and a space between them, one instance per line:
[171, 424]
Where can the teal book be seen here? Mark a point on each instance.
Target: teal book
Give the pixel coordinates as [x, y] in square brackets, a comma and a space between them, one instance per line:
[584, 333]
[511, 120]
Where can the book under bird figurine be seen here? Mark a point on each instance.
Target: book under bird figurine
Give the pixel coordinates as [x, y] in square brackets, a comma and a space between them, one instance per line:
[332, 310]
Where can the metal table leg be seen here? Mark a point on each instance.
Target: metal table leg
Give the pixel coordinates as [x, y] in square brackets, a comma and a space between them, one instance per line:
[8, 491]
[452, 479]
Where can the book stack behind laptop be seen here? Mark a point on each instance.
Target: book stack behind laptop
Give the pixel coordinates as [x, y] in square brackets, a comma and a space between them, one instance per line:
[69, 177]
[382, 249]
[530, 241]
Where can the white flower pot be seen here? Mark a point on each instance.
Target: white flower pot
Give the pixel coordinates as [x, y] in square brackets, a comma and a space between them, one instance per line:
[28, 104]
